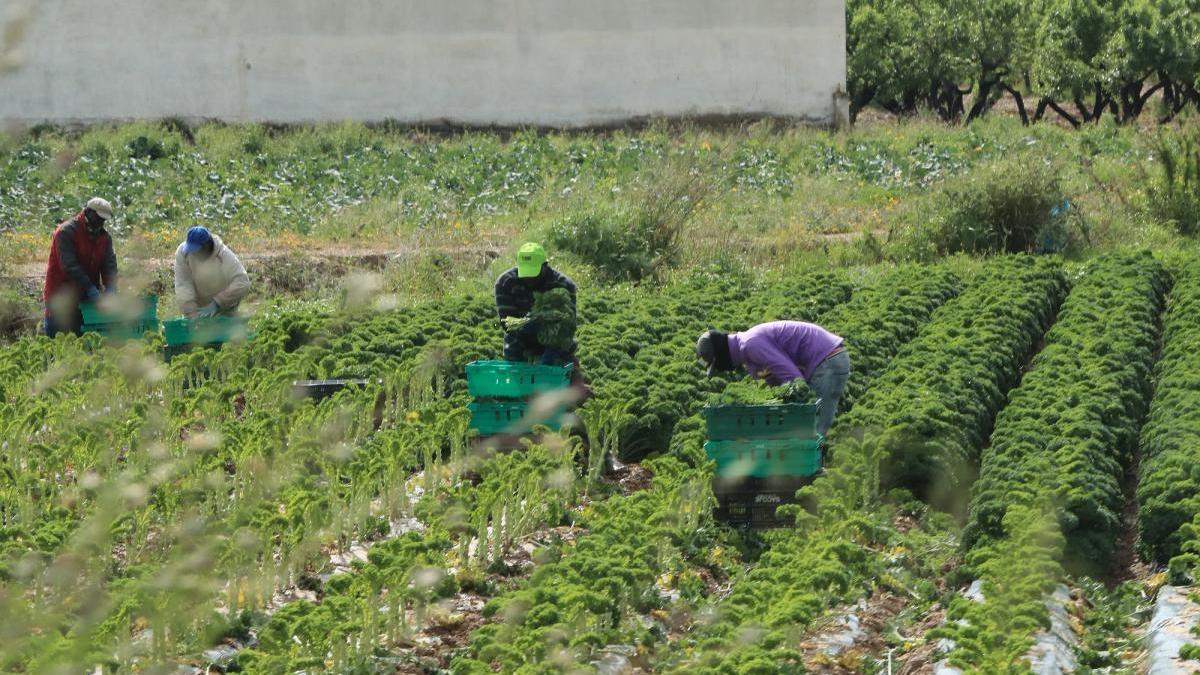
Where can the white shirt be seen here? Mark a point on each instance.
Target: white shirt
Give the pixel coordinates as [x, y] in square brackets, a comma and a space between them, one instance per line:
[220, 278]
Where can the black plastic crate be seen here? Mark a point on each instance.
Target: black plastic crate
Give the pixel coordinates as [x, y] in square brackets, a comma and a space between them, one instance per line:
[752, 502]
[323, 389]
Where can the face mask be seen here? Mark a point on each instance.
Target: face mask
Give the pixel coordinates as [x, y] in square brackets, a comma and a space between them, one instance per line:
[94, 223]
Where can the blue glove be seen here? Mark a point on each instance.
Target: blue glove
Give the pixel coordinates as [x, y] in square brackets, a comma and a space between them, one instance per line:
[91, 294]
[209, 310]
[110, 290]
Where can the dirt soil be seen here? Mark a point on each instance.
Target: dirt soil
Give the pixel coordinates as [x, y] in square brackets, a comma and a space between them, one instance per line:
[881, 608]
[921, 660]
[448, 631]
[631, 478]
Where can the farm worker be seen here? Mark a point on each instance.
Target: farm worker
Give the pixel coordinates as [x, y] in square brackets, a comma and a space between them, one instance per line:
[783, 351]
[515, 291]
[209, 278]
[82, 262]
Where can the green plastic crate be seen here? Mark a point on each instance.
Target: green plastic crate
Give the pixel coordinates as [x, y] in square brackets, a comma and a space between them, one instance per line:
[95, 317]
[765, 458]
[212, 331]
[491, 418]
[121, 331]
[506, 379]
[786, 421]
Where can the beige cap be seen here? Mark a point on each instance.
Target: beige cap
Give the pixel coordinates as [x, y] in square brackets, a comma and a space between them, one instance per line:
[100, 206]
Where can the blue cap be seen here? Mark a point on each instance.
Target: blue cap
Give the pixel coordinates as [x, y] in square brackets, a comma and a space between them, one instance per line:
[197, 238]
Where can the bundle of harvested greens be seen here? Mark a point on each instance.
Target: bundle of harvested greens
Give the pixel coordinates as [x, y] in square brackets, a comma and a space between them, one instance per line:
[554, 313]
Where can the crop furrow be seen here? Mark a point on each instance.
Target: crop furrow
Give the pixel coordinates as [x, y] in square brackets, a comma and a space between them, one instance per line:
[1050, 485]
[901, 310]
[1168, 491]
[950, 371]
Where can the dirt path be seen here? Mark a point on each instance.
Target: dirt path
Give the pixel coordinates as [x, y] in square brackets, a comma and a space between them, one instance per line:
[1126, 565]
[923, 659]
[349, 257]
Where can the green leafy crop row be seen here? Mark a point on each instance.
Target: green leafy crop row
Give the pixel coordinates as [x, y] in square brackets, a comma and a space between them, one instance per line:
[1051, 477]
[591, 596]
[877, 322]
[382, 602]
[834, 554]
[1169, 487]
[1069, 429]
[1018, 572]
[934, 406]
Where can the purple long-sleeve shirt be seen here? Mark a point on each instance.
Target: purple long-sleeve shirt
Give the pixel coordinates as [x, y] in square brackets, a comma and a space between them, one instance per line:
[782, 351]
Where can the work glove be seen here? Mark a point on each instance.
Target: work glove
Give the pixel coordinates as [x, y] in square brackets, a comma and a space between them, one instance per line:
[91, 294]
[208, 311]
[796, 391]
[529, 330]
[512, 324]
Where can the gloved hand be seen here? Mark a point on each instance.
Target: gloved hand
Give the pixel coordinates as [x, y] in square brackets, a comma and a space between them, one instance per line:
[110, 290]
[208, 311]
[512, 324]
[91, 294]
[796, 391]
[529, 330]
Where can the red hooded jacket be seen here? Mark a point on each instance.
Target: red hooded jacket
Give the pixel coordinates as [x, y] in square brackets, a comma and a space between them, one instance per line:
[79, 261]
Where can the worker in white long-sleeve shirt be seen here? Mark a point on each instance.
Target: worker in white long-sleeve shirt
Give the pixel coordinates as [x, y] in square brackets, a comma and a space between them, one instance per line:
[209, 278]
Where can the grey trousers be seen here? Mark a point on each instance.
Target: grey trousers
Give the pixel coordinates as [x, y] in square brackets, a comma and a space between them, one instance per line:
[828, 382]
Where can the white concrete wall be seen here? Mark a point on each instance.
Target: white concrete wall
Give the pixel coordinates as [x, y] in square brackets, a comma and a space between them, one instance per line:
[559, 63]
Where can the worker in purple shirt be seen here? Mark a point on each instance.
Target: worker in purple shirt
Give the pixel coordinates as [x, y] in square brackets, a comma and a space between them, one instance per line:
[780, 352]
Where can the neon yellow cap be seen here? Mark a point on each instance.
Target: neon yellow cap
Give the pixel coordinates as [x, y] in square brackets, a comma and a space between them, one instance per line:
[529, 260]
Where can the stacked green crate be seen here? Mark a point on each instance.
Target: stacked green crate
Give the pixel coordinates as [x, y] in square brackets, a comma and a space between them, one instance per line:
[763, 454]
[507, 396]
[763, 441]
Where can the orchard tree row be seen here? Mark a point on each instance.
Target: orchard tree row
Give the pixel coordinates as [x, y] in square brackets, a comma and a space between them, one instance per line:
[1077, 59]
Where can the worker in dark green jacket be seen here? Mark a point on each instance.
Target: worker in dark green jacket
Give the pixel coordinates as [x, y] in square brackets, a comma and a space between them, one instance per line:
[516, 291]
[515, 295]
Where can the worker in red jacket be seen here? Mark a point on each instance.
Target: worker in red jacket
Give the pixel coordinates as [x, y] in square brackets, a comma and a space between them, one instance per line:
[82, 263]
